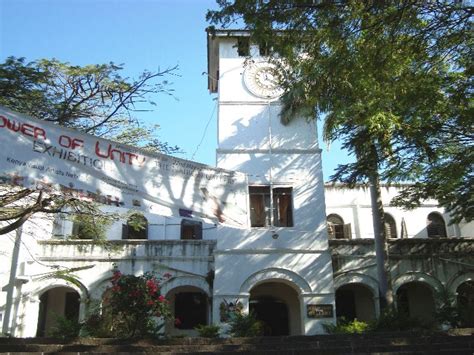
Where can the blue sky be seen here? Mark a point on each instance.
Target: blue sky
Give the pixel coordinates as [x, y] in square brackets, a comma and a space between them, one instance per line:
[141, 34]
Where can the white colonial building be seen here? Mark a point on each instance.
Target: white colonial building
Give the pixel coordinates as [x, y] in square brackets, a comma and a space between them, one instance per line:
[305, 255]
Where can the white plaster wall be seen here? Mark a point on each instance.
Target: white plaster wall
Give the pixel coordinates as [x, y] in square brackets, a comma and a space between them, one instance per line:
[354, 206]
[252, 140]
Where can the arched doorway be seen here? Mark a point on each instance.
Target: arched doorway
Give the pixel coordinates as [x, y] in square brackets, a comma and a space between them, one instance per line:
[190, 307]
[277, 306]
[58, 301]
[465, 300]
[415, 299]
[355, 301]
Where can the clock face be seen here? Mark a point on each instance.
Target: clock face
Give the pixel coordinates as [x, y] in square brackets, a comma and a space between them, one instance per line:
[261, 79]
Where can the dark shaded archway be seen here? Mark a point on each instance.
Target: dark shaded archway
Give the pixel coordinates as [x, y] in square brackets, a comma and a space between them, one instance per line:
[273, 313]
[190, 307]
[54, 303]
[465, 301]
[277, 306]
[415, 299]
[355, 301]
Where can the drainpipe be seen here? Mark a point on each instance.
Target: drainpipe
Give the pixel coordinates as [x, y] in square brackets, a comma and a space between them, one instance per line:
[10, 288]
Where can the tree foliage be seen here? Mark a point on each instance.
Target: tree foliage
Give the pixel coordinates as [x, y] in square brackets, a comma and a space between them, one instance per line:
[94, 99]
[392, 80]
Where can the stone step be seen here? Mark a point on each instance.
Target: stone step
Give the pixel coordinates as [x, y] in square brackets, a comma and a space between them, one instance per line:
[319, 345]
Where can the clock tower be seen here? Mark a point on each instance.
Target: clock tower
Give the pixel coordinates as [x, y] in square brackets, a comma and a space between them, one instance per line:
[280, 265]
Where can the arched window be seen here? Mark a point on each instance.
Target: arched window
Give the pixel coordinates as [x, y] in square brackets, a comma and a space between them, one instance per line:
[337, 229]
[390, 226]
[136, 227]
[87, 226]
[435, 226]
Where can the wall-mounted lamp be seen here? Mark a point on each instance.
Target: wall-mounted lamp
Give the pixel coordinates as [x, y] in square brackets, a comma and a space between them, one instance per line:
[275, 235]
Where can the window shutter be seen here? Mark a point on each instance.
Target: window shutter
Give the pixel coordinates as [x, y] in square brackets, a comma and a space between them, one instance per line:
[347, 231]
[331, 231]
[198, 231]
[124, 231]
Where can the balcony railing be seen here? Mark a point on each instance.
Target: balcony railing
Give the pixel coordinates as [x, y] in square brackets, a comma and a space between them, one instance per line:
[86, 250]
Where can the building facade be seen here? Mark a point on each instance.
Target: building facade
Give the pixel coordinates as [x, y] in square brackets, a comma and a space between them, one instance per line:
[305, 256]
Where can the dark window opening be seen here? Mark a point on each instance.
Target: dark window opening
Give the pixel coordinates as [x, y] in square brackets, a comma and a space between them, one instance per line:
[337, 229]
[282, 207]
[436, 227]
[136, 227]
[261, 214]
[390, 226]
[191, 230]
[264, 49]
[80, 230]
[190, 308]
[243, 46]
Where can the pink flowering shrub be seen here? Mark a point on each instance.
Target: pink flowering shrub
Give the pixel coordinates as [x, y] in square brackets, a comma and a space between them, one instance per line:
[134, 306]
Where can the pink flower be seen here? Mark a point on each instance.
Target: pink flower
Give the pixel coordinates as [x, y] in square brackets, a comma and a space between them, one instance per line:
[152, 287]
[167, 275]
[177, 322]
[161, 298]
[150, 303]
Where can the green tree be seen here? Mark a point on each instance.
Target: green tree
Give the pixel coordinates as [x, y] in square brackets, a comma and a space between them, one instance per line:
[94, 99]
[392, 81]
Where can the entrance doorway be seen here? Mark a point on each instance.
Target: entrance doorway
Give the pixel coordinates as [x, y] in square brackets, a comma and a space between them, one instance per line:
[54, 303]
[415, 299]
[190, 307]
[355, 301]
[465, 300]
[277, 306]
[273, 313]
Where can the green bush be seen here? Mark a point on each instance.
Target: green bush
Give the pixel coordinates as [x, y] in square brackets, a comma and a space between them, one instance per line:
[392, 320]
[208, 331]
[64, 328]
[451, 312]
[344, 326]
[133, 307]
[245, 325]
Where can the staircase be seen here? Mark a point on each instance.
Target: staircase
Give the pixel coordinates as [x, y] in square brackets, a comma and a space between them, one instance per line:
[376, 343]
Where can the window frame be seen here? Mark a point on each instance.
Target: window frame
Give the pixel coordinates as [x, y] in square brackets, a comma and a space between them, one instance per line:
[390, 225]
[129, 233]
[271, 208]
[190, 226]
[433, 229]
[340, 230]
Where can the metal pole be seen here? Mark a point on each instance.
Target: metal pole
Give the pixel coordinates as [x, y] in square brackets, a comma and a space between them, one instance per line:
[10, 288]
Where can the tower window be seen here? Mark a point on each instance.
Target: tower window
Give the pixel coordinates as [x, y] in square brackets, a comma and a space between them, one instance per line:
[270, 207]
